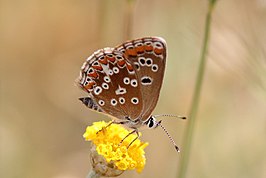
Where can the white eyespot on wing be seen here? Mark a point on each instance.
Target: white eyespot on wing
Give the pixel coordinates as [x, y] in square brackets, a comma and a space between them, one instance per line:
[113, 102]
[146, 80]
[101, 102]
[88, 79]
[110, 72]
[96, 63]
[134, 83]
[97, 90]
[110, 55]
[90, 70]
[149, 62]
[134, 100]
[120, 90]
[142, 61]
[126, 80]
[136, 64]
[105, 86]
[154, 68]
[116, 70]
[107, 79]
[158, 45]
[122, 100]
[118, 57]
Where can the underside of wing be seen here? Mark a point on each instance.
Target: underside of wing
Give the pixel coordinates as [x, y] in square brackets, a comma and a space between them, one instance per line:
[148, 57]
[112, 83]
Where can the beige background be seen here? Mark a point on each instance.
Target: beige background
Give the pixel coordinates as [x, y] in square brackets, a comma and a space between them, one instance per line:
[44, 43]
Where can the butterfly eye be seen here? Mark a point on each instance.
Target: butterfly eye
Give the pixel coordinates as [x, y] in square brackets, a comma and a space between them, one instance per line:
[125, 81]
[151, 123]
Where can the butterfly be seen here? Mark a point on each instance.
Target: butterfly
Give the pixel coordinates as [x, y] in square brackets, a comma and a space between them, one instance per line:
[125, 81]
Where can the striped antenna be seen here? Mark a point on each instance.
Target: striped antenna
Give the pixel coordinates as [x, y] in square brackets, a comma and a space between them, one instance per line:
[169, 136]
[164, 129]
[169, 115]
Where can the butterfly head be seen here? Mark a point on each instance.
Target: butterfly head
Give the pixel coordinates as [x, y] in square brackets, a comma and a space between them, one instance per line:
[152, 122]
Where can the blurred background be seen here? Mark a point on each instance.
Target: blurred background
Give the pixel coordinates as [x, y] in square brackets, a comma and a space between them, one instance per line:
[44, 43]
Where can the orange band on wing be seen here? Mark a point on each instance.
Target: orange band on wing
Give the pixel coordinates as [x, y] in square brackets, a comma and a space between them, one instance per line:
[93, 74]
[98, 67]
[90, 85]
[131, 52]
[140, 49]
[121, 63]
[148, 48]
[103, 61]
[111, 59]
[158, 51]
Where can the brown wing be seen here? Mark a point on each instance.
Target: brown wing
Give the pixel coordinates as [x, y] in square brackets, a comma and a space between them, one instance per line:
[112, 83]
[148, 57]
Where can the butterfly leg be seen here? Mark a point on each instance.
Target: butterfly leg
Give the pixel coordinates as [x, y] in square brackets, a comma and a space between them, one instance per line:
[102, 129]
[136, 131]
[132, 132]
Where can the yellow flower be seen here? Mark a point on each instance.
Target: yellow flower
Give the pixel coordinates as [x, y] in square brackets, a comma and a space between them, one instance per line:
[107, 139]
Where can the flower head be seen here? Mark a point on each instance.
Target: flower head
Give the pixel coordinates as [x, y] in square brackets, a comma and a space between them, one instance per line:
[107, 139]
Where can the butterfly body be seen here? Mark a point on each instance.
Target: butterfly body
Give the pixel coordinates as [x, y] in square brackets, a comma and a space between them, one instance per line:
[125, 81]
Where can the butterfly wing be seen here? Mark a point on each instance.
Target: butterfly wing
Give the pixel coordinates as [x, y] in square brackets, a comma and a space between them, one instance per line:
[148, 57]
[112, 84]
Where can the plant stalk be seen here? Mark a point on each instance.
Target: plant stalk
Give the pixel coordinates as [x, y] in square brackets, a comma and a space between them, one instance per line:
[188, 136]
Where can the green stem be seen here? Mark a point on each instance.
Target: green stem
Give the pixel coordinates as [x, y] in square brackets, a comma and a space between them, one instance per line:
[196, 96]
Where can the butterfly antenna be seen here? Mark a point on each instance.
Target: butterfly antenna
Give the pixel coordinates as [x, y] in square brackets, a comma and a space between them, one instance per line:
[169, 136]
[170, 115]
